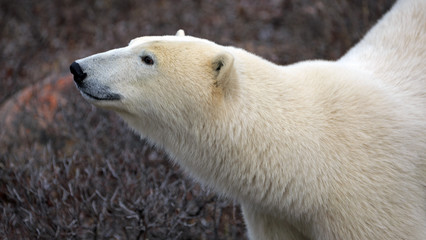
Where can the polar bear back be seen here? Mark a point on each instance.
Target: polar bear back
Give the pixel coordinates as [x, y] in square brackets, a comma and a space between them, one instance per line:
[394, 50]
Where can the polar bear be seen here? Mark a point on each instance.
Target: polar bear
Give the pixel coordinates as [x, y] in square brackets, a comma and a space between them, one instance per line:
[313, 150]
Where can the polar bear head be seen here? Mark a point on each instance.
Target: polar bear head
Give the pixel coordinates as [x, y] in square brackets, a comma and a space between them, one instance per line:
[177, 77]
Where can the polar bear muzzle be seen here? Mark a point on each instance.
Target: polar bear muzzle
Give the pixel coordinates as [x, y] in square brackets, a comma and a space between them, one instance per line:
[91, 91]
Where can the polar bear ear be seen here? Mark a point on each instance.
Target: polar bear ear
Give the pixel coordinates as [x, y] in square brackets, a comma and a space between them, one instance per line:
[225, 74]
[180, 33]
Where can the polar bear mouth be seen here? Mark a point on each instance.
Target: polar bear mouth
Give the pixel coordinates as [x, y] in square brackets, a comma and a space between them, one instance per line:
[104, 97]
[99, 94]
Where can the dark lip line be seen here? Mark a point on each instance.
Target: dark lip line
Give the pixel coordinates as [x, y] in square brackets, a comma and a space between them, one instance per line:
[112, 98]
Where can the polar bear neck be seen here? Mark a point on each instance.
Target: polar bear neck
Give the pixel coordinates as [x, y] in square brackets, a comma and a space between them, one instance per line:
[286, 127]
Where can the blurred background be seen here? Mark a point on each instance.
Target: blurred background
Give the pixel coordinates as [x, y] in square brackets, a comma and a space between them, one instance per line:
[71, 171]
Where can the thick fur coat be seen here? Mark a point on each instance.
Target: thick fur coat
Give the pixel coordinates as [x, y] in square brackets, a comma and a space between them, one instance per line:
[313, 150]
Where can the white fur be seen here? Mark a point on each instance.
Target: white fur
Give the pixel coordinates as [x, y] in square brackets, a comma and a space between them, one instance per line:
[313, 150]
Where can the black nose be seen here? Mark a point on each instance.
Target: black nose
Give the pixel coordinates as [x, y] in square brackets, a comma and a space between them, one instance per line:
[78, 73]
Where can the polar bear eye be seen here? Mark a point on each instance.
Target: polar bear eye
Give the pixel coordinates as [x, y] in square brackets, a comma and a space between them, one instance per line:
[147, 60]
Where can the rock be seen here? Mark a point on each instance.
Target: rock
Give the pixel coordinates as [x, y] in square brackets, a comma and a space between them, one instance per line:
[30, 118]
